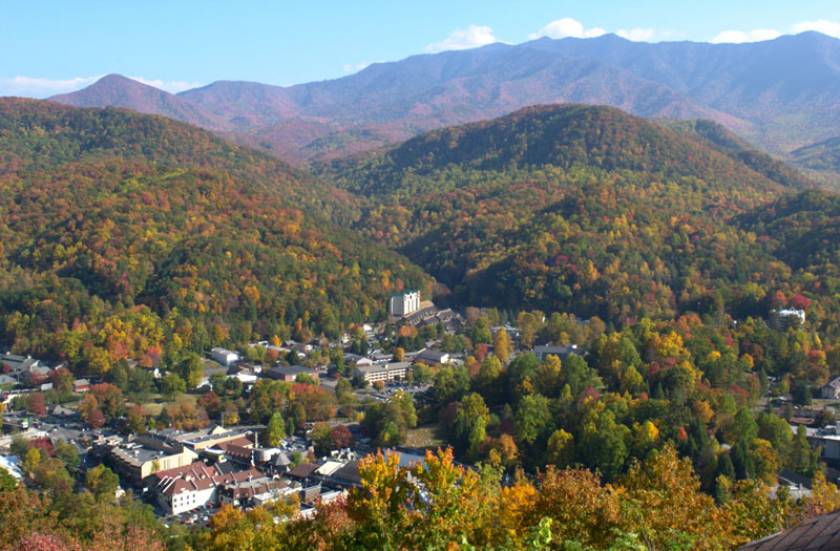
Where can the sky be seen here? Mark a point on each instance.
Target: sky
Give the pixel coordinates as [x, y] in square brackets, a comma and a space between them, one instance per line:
[49, 46]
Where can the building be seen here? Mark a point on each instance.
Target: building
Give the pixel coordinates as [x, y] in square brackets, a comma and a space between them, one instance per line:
[224, 356]
[196, 485]
[256, 489]
[828, 440]
[302, 471]
[433, 357]
[388, 372]
[561, 352]
[17, 365]
[24, 369]
[212, 436]
[404, 304]
[290, 373]
[787, 317]
[831, 390]
[816, 534]
[148, 454]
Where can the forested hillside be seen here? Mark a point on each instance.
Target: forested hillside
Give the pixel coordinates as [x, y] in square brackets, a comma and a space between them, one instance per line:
[586, 210]
[130, 237]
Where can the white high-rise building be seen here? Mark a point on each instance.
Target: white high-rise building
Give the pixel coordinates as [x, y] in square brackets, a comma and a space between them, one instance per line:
[404, 304]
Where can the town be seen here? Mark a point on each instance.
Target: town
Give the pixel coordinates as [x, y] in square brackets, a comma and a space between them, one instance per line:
[206, 446]
[187, 472]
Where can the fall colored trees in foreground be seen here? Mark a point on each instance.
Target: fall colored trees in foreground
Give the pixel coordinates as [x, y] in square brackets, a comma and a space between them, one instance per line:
[656, 505]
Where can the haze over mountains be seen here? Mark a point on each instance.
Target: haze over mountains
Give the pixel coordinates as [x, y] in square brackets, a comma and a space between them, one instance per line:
[780, 94]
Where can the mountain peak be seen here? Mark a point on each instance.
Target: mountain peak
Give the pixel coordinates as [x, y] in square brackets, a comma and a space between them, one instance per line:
[115, 90]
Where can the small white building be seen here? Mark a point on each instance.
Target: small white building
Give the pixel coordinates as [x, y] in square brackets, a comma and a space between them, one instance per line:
[787, 317]
[430, 356]
[224, 356]
[404, 304]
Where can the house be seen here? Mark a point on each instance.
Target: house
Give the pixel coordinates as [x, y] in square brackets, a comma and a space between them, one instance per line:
[783, 318]
[224, 356]
[828, 441]
[29, 372]
[61, 411]
[404, 304]
[347, 476]
[384, 372]
[15, 365]
[433, 357]
[831, 390]
[561, 352]
[81, 385]
[290, 373]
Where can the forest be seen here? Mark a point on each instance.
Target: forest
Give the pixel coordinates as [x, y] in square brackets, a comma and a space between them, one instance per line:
[593, 211]
[130, 237]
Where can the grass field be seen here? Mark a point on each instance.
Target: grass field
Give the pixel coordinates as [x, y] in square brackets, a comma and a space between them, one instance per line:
[424, 437]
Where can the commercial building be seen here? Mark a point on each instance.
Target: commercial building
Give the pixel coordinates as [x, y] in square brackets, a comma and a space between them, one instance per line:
[147, 454]
[290, 373]
[404, 304]
[387, 372]
[224, 356]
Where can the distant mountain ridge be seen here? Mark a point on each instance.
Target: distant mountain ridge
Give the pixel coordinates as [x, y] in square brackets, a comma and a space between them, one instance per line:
[780, 94]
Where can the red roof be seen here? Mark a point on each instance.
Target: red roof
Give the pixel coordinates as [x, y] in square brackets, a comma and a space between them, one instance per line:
[198, 476]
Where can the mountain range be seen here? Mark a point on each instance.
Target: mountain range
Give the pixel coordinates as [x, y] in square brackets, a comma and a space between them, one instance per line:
[780, 95]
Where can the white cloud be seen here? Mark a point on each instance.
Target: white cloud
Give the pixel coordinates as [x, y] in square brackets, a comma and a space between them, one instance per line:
[39, 87]
[463, 39]
[348, 68]
[739, 37]
[831, 28]
[173, 86]
[567, 27]
[636, 34]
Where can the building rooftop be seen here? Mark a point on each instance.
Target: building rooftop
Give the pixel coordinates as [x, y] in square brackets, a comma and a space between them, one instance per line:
[304, 470]
[375, 368]
[281, 371]
[818, 534]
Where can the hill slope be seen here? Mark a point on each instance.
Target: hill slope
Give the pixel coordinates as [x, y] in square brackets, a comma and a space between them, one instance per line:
[106, 210]
[580, 209]
[780, 94]
[565, 137]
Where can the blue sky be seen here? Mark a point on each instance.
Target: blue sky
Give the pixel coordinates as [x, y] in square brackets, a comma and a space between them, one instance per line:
[51, 46]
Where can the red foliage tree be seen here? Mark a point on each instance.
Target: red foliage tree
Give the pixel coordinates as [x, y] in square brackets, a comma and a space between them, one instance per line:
[341, 437]
[36, 405]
